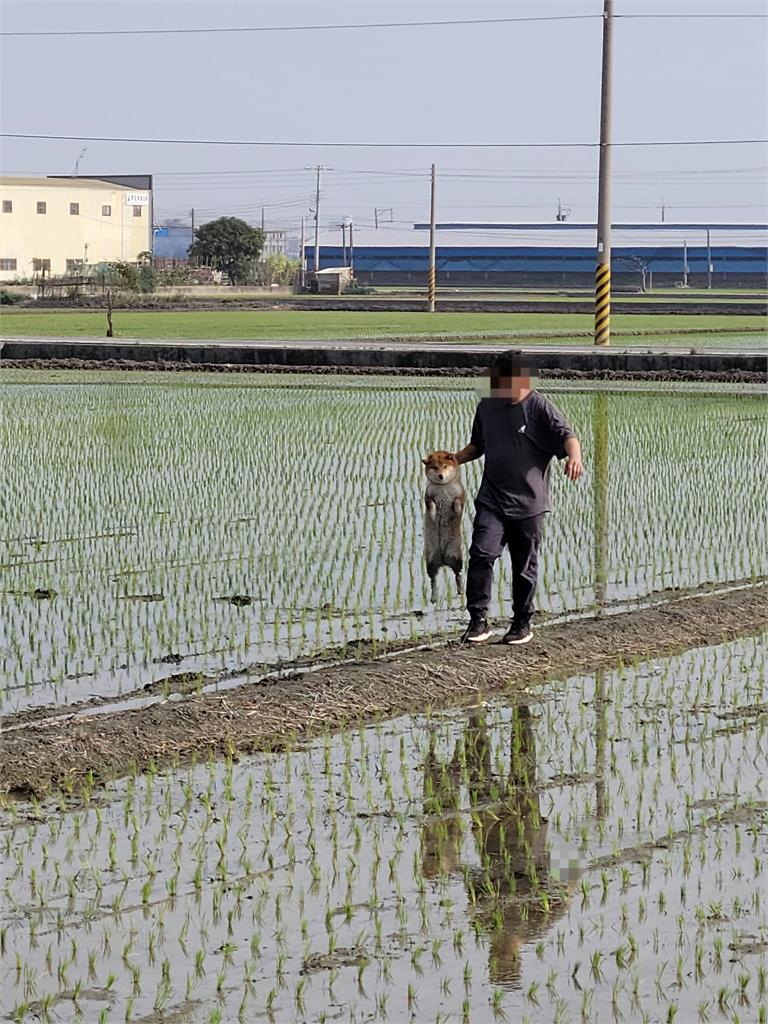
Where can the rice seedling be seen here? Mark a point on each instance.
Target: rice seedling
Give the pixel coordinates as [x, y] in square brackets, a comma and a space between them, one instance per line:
[175, 534]
[595, 850]
[246, 886]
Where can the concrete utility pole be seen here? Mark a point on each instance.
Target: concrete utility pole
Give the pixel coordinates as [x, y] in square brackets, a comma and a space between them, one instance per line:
[709, 258]
[603, 269]
[262, 218]
[432, 271]
[319, 168]
[192, 219]
[351, 246]
[343, 243]
[302, 258]
[686, 268]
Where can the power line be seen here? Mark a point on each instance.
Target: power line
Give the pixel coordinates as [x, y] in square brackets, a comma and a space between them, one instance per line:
[347, 26]
[381, 145]
[364, 26]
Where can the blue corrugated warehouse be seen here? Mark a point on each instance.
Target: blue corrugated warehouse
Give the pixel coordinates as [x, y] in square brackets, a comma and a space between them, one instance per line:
[548, 265]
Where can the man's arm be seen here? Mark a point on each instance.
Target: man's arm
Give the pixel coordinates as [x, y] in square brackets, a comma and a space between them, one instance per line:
[468, 453]
[476, 446]
[573, 464]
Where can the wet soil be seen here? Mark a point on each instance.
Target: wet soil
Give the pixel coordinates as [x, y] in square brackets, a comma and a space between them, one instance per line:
[664, 306]
[728, 376]
[38, 756]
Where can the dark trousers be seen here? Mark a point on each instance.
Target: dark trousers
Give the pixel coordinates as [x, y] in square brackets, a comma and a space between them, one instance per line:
[490, 534]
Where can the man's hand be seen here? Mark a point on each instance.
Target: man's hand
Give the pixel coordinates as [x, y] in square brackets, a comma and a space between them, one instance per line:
[574, 467]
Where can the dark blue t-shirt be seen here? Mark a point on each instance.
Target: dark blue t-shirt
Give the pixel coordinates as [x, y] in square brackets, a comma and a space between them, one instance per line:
[519, 440]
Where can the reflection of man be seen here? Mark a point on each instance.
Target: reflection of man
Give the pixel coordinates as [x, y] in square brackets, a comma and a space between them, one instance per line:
[514, 896]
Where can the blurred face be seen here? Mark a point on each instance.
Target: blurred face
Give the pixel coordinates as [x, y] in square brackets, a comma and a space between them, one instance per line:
[515, 386]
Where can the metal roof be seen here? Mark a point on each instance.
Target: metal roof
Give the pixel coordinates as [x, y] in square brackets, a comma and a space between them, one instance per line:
[572, 225]
[94, 183]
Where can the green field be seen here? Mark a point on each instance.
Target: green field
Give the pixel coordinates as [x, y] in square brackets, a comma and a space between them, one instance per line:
[588, 847]
[299, 324]
[145, 505]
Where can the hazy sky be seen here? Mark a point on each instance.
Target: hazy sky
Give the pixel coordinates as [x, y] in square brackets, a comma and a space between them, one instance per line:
[536, 82]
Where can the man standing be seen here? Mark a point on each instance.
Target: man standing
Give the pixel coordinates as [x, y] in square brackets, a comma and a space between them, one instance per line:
[519, 432]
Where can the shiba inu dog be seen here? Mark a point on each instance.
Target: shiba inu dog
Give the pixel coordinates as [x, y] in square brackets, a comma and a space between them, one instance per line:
[444, 505]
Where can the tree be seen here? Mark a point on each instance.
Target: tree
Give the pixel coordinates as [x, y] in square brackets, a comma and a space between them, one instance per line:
[279, 269]
[229, 245]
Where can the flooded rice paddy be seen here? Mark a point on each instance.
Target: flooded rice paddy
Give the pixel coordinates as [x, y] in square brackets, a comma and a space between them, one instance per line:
[592, 849]
[201, 526]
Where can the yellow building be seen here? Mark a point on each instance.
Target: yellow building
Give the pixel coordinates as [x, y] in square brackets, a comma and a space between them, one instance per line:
[62, 224]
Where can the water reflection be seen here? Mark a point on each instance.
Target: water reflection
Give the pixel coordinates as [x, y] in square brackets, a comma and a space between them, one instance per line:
[517, 883]
[600, 436]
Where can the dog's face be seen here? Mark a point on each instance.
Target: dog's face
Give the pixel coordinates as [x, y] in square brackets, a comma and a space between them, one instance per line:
[441, 467]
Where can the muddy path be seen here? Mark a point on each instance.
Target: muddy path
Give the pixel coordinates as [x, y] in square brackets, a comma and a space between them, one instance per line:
[66, 753]
[681, 375]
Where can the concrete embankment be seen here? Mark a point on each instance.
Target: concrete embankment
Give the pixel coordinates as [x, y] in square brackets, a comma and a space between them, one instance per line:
[390, 355]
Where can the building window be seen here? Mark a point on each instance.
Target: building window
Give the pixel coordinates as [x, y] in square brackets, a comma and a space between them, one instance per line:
[137, 211]
[73, 265]
[106, 211]
[7, 264]
[74, 209]
[41, 208]
[38, 264]
[7, 206]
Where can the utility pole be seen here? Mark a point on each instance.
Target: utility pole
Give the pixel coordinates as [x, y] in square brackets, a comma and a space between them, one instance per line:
[663, 211]
[432, 271]
[318, 168]
[302, 258]
[603, 268]
[709, 258]
[351, 246]
[685, 264]
[262, 218]
[343, 243]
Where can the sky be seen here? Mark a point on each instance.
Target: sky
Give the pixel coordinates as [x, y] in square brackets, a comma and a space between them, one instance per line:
[529, 82]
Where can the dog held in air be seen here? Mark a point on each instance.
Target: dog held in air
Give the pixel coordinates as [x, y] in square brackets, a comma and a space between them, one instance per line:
[444, 505]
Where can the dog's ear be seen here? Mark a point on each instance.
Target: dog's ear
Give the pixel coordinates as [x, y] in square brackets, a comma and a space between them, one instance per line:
[425, 461]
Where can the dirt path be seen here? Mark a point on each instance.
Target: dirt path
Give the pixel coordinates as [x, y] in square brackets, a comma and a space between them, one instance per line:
[734, 376]
[37, 757]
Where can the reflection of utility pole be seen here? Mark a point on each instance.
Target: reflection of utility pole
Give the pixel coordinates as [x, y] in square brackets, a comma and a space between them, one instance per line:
[432, 271]
[601, 744]
[600, 497]
[603, 269]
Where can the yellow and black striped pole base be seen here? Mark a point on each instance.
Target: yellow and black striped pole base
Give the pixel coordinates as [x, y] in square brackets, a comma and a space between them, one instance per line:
[603, 304]
[431, 287]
